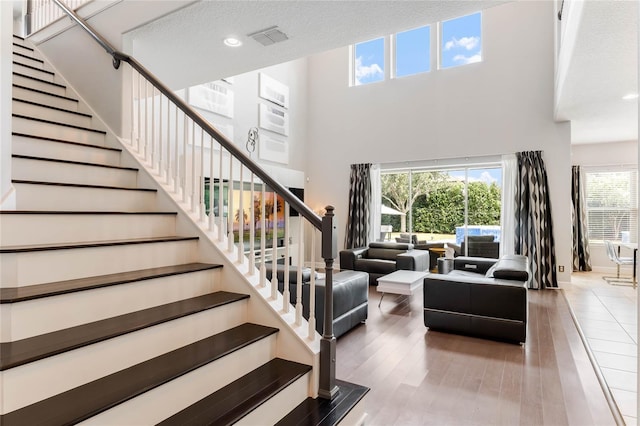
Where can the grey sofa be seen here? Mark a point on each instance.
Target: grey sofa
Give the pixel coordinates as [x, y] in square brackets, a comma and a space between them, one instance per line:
[350, 297]
[383, 258]
[480, 297]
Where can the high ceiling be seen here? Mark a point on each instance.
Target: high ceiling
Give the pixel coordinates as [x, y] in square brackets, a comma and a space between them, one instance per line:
[603, 68]
[603, 63]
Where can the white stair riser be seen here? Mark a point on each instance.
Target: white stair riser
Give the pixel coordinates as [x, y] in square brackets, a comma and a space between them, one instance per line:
[28, 70]
[19, 269]
[54, 101]
[33, 382]
[50, 114]
[66, 198]
[23, 229]
[30, 60]
[38, 316]
[55, 131]
[39, 85]
[274, 409]
[50, 171]
[22, 145]
[168, 399]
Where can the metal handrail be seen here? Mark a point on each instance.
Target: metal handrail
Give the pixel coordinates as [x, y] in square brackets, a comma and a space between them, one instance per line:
[118, 56]
[326, 225]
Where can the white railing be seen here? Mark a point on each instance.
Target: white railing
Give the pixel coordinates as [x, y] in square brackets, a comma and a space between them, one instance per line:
[198, 166]
[219, 192]
[44, 12]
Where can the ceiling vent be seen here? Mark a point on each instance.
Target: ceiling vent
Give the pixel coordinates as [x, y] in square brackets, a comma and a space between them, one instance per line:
[269, 36]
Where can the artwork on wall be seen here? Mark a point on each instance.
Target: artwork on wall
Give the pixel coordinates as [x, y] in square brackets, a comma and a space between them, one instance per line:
[273, 149]
[274, 91]
[274, 119]
[216, 97]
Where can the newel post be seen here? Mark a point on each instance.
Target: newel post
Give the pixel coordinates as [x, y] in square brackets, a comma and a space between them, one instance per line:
[328, 387]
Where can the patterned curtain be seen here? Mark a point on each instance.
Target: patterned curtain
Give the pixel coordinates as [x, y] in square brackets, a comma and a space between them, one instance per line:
[359, 206]
[581, 256]
[534, 231]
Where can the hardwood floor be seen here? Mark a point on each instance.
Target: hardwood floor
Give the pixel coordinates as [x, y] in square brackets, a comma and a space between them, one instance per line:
[423, 377]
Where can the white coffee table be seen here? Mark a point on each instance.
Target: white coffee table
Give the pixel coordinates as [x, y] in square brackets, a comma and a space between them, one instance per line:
[400, 282]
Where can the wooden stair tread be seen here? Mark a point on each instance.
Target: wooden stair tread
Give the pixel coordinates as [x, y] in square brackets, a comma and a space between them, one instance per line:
[19, 86]
[92, 398]
[45, 345]
[19, 74]
[86, 145]
[32, 67]
[80, 185]
[20, 45]
[58, 123]
[78, 163]
[326, 412]
[20, 294]
[66, 246]
[24, 101]
[28, 57]
[234, 401]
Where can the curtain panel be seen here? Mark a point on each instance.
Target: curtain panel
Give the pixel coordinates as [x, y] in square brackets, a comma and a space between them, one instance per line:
[360, 196]
[580, 228]
[508, 211]
[533, 228]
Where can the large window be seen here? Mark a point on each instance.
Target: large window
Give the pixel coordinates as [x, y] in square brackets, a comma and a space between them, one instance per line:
[612, 204]
[461, 41]
[445, 205]
[413, 51]
[368, 62]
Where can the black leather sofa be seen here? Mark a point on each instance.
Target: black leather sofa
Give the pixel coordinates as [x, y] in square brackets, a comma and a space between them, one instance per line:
[350, 297]
[383, 258]
[480, 297]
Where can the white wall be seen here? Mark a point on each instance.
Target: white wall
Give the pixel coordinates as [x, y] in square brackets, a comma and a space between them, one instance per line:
[604, 154]
[502, 105]
[7, 196]
[245, 89]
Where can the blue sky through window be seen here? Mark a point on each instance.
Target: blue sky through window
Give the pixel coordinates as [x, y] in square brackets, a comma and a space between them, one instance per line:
[487, 176]
[461, 41]
[413, 51]
[369, 62]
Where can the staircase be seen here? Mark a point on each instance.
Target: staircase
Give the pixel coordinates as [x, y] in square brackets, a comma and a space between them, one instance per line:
[108, 314]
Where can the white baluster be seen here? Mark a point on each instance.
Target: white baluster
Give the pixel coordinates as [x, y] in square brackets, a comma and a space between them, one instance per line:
[222, 222]
[286, 293]
[274, 250]
[252, 229]
[263, 237]
[176, 162]
[203, 209]
[312, 288]
[194, 175]
[160, 142]
[230, 210]
[183, 163]
[211, 215]
[152, 140]
[139, 115]
[241, 218]
[299, 274]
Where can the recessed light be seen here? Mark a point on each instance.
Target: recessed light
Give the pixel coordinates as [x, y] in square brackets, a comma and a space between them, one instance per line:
[232, 42]
[630, 96]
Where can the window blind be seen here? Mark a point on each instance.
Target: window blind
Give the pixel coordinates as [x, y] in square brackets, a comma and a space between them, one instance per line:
[612, 204]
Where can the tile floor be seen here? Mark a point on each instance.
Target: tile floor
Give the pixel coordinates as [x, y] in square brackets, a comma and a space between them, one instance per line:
[608, 317]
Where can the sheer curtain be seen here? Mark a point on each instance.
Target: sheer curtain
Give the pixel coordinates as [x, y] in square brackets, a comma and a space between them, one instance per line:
[376, 203]
[581, 255]
[358, 224]
[534, 229]
[508, 213]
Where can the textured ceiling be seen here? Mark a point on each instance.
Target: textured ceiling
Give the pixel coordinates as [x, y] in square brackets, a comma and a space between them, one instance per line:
[603, 68]
[312, 27]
